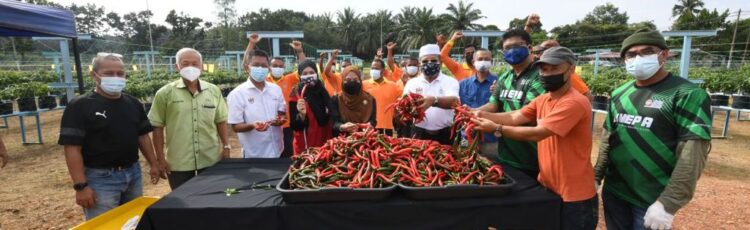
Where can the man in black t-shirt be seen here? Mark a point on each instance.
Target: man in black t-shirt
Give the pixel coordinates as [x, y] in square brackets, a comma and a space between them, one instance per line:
[102, 132]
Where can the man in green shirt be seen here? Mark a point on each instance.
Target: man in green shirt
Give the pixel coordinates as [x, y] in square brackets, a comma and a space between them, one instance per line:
[516, 87]
[194, 114]
[656, 141]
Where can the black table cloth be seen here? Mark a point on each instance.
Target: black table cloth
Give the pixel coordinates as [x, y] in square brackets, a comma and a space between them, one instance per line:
[202, 204]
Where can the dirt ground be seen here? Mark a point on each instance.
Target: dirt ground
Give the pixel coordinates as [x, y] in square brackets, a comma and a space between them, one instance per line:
[35, 188]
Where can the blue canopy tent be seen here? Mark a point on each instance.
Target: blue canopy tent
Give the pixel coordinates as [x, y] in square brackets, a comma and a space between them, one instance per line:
[28, 20]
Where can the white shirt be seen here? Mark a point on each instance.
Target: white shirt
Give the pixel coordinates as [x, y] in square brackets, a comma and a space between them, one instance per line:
[443, 86]
[248, 104]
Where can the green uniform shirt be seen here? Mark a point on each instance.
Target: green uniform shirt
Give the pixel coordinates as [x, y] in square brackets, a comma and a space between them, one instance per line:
[646, 124]
[512, 93]
[192, 138]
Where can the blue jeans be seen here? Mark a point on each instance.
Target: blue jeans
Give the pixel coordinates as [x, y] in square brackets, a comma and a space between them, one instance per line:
[113, 188]
[621, 215]
[582, 215]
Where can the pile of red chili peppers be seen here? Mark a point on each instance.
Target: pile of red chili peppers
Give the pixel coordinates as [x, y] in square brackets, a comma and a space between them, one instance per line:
[368, 159]
[462, 121]
[408, 109]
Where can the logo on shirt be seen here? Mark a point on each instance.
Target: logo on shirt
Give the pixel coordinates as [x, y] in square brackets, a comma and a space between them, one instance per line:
[251, 100]
[634, 120]
[419, 90]
[511, 94]
[102, 114]
[654, 104]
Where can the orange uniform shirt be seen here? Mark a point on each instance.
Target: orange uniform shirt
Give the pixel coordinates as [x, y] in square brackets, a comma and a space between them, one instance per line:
[578, 84]
[458, 70]
[565, 157]
[332, 83]
[287, 84]
[385, 93]
[394, 75]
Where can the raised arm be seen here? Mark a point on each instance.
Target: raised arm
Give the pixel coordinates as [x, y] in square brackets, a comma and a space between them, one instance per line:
[445, 54]
[297, 47]
[391, 61]
[252, 40]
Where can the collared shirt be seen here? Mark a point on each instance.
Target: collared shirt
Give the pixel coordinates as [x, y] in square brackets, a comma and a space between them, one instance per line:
[106, 129]
[248, 104]
[435, 118]
[385, 93]
[287, 84]
[475, 94]
[190, 122]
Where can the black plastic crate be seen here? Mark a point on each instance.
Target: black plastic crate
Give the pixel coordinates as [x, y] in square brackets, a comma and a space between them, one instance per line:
[458, 191]
[331, 194]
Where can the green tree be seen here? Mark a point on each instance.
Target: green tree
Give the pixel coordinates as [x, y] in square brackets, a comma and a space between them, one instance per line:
[226, 13]
[687, 8]
[462, 17]
[88, 18]
[417, 26]
[606, 14]
[348, 26]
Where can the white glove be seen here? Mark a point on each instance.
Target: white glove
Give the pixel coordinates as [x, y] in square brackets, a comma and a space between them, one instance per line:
[657, 218]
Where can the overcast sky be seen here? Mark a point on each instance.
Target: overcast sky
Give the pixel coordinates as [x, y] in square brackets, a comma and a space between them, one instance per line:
[498, 12]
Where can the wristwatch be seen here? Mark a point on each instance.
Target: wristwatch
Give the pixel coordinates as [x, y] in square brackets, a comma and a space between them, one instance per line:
[498, 131]
[436, 101]
[227, 147]
[80, 186]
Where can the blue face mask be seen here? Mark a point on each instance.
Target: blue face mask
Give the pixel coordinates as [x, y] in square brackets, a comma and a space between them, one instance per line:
[516, 55]
[258, 74]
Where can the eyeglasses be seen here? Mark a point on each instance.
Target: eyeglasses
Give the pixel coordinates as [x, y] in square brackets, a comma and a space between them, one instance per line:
[643, 52]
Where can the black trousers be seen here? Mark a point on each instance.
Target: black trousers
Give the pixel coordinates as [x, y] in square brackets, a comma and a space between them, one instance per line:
[177, 178]
[442, 136]
[288, 149]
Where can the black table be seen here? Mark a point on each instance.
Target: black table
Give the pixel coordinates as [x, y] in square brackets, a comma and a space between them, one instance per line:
[202, 204]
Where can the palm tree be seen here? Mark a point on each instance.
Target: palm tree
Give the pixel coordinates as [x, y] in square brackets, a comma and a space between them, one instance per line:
[687, 7]
[348, 22]
[462, 17]
[417, 27]
[374, 31]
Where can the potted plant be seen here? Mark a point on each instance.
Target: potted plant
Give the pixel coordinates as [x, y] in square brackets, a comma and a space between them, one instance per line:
[45, 100]
[718, 85]
[6, 105]
[742, 100]
[25, 96]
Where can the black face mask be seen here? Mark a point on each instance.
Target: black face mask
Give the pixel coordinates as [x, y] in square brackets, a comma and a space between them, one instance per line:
[352, 87]
[431, 69]
[552, 83]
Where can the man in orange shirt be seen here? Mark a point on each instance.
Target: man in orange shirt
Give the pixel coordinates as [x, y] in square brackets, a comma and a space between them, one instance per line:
[563, 133]
[386, 92]
[286, 82]
[332, 80]
[408, 69]
[458, 70]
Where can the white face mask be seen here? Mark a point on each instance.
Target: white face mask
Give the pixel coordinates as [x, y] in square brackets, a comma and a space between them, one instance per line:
[412, 70]
[482, 66]
[190, 73]
[375, 74]
[277, 72]
[643, 68]
[112, 85]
